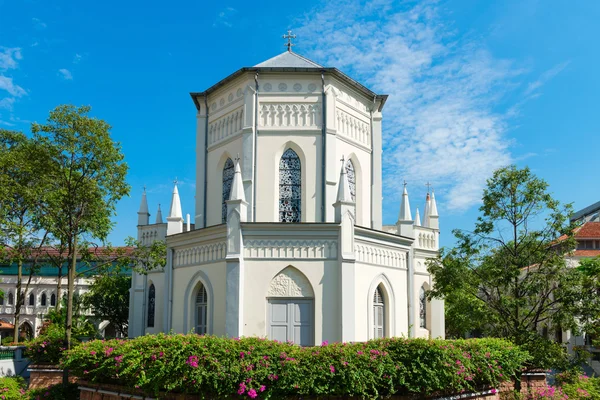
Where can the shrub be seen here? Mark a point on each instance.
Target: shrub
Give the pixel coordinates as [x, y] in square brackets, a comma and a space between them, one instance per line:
[8, 341]
[12, 388]
[47, 348]
[255, 367]
[56, 392]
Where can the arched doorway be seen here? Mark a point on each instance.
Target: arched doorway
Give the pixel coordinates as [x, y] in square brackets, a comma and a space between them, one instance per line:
[26, 331]
[290, 303]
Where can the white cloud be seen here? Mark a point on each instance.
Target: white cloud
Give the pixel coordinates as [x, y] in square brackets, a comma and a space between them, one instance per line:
[224, 17]
[65, 74]
[440, 123]
[545, 77]
[77, 58]
[9, 57]
[38, 24]
[7, 103]
[7, 84]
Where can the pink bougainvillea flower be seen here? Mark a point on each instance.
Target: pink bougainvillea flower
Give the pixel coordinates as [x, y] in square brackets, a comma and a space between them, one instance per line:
[332, 369]
[262, 388]
[252, 393]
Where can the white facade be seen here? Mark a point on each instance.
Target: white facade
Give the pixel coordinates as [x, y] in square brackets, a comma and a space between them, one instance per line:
[40, 298]
[289, 140]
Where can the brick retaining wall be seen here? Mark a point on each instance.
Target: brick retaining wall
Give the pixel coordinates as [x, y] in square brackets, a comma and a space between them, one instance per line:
[89, 391]
[44, 376]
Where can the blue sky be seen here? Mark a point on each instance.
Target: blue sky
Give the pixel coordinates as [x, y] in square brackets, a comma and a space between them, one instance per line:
[473, 85]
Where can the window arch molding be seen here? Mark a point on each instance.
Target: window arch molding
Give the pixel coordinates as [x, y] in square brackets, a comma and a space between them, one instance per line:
[359, 188]
[44, 299]
[190, 302]
[303, 188]
[389, 299]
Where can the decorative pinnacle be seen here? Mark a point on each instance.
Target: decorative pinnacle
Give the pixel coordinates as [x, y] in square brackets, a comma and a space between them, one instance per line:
[289, 38]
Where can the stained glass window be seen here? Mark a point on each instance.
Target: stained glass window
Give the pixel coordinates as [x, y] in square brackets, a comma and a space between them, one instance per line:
[378, 314]
[423, 308]
[151, 305]
[290, 187]
[228, 172]
[201, 311]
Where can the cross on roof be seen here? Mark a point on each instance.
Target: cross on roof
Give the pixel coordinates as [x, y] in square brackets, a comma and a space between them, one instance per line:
[428, 186]
[289, 38]
[175, 181]
[404, 183]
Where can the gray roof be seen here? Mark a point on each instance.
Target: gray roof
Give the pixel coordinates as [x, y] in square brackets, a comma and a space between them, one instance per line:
[291, 62]
[288, 59]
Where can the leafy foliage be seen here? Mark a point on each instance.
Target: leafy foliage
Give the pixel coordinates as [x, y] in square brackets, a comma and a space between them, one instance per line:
[508, 277]
[255, 367]
[12, 388]
[108, 298]
[87, 177]
[23, 192]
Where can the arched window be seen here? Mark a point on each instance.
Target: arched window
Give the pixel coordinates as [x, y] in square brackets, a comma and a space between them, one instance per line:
[351, 179]
[378, 314]
[43, 300]
[201, 311]
[228, 172]
[53, 299]
[151, 304]
[11, 299]
[2, 300]
[423, 308]
[31, 299]
[290, 187]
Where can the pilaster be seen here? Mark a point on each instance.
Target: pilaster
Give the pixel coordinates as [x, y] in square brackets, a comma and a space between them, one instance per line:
[248, 143]
[376, 190]
[201, 124]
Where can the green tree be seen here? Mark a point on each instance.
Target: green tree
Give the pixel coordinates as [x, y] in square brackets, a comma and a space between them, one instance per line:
[87, 178]
[23, 193]
[509, 274]
[108, 299]
[587, 308]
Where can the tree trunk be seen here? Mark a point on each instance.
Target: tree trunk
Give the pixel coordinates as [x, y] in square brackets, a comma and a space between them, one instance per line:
[70, 290]
[18, 300]
[58, 288]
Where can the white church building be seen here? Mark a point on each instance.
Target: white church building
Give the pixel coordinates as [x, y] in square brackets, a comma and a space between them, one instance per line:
[288, 241]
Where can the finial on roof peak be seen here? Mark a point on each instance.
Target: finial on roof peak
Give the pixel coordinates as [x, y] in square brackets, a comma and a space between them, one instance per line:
[289, 36]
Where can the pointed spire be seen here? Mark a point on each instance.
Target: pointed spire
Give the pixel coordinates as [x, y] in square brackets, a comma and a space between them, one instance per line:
[417, 218]
[237, 186]
[433, 212]
[434, 218]
[426, 210]
[143, 214]
[175, 211]
[405, 214]
[343, 194]
[159, 219]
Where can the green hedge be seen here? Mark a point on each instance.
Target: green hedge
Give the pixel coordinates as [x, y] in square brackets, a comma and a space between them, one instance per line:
[255, 367]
